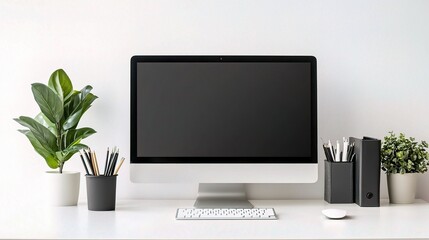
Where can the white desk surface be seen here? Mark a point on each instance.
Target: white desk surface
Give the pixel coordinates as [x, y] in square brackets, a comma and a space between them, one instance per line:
[155, 219]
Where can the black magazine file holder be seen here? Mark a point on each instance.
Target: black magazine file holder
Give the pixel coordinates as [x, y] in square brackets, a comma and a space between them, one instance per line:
[367, 171]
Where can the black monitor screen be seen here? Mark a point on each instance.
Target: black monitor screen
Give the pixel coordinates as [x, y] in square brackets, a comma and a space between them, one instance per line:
[223, 111]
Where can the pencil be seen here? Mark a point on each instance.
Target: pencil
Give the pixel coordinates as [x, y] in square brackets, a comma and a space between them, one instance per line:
[120, 164]
[83, 162]
[93, 163]
[112, 156]
[96, 164]
[88, 159]
[107, 161]
[113, 164]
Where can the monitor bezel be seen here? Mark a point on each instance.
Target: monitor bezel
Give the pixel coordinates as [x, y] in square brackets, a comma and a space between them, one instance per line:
[222, 160]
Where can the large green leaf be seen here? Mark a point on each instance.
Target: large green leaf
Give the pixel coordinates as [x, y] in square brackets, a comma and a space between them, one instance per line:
[49, 102]
[67, 153]
[85, 91]
[45, 137]
[49, 157]
[60, 83]
[75, 101]
[73, 136]
[42, 119]
[70, 97]
[77, 107]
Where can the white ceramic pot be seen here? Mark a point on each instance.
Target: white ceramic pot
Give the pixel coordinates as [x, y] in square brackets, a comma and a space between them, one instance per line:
[402, 187]
[62, 189]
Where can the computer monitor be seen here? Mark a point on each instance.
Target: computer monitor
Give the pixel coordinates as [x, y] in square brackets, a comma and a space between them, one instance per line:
[222, 121]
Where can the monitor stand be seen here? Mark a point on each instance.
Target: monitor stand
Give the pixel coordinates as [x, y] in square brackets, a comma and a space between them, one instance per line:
[222, 195]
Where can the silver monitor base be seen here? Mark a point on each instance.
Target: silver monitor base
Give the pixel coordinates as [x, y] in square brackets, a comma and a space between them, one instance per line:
[222, 195]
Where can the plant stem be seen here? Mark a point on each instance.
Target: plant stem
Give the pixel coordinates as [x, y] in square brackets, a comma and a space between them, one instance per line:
[61, 166]
[59, 136]
[59, 144]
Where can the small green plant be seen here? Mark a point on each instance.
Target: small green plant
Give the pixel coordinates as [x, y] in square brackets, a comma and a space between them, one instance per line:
[53, 133]
[403, 155]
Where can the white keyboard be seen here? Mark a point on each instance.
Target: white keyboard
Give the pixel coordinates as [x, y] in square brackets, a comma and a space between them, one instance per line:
[225, 214]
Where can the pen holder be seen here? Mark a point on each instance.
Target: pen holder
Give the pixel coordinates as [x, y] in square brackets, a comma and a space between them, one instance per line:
[339, 182]
[101, 192]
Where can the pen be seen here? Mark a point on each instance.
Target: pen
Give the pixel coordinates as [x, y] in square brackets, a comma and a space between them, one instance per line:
[352, 157]
[330, 148]
[337, 155]
[351, 151]
[345, 148]
[327, 153]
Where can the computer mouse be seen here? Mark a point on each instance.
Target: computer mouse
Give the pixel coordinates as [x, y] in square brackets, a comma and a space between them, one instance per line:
[334, 213]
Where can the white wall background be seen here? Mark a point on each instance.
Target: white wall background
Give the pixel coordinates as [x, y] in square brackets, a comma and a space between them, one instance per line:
[373, 73]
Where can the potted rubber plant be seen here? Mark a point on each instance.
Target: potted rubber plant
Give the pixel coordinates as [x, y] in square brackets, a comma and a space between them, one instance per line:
[403, 159]
[54, 135]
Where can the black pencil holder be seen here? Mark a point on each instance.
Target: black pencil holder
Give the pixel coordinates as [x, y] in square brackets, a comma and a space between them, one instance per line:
[101, 192]
[339, 182]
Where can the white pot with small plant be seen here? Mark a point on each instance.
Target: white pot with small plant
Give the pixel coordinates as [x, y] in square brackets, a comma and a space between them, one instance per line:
[403, 159]
[54, 135]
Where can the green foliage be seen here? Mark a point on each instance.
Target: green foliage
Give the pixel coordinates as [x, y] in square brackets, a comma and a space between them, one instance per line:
[403, 155]
[53, 133]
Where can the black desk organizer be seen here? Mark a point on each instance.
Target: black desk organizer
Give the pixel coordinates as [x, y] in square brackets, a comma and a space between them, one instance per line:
[339, 182]
[359, 181]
